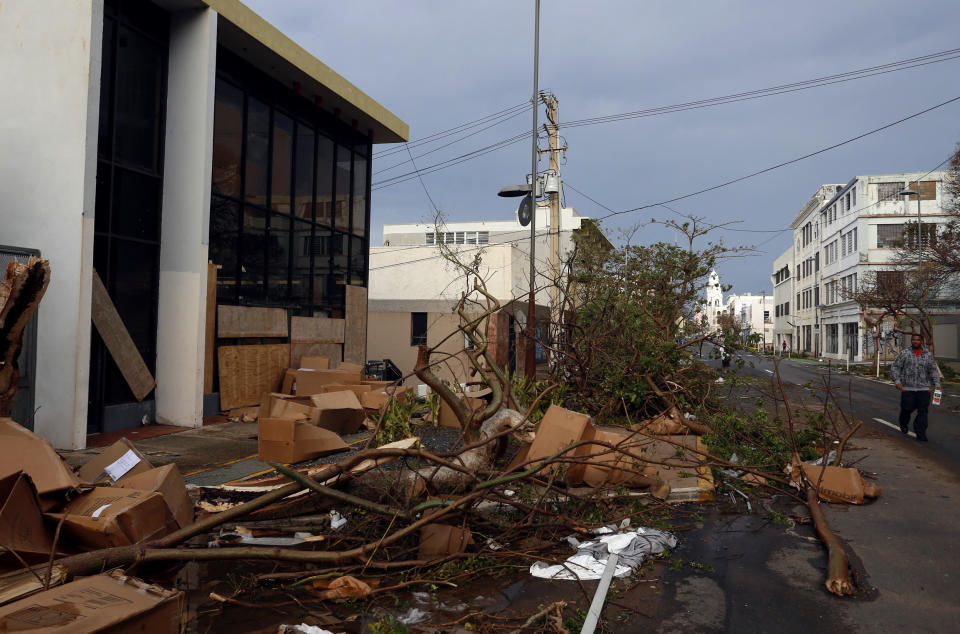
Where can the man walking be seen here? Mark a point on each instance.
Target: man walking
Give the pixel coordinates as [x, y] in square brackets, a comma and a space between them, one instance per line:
[783, 349]
[915, 373]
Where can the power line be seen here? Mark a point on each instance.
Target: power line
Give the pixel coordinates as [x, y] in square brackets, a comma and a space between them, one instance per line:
[906, 64]
[708, 189]
[454, 130]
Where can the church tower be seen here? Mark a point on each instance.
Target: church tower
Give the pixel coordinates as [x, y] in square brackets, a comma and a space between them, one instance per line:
[714, 305]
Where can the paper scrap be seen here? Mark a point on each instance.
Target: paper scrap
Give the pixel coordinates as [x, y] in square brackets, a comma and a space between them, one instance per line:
[121, 465]
[100, 510]
[337, 521]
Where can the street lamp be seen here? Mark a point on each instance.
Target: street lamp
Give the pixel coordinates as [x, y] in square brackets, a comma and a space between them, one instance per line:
[910, 192]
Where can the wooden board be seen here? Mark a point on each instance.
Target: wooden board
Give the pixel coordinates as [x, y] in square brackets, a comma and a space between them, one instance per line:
[209, 341]
[108, 323]
[316, 330]
[248, 372]
[251, 321]
[355, 335]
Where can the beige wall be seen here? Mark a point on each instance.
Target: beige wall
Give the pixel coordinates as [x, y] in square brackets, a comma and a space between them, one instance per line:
[388, 337]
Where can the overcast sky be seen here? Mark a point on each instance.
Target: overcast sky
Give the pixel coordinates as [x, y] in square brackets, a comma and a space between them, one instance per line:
[440, 63]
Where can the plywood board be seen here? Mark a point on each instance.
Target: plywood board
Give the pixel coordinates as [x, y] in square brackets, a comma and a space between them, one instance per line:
[355, 335]
[331, 350]
[249, 372]
[251, 321]
[211, 328]
[108, 323]
[316, 330]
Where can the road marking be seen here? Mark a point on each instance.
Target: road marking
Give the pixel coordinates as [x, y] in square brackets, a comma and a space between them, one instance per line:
[888, 424]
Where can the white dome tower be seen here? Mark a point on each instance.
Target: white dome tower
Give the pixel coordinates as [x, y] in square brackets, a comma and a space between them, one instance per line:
[714, 303]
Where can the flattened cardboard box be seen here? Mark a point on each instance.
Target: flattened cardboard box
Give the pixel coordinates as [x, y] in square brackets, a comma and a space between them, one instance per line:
[440, 540]
[112, 516]
[310, 382]
[315, 362]
[168, 482]
[109, 602]
[558, 429]
[118, 461]
[340, 412]
[23, 450]
[290, 407]
[21, 523]
[289, 441]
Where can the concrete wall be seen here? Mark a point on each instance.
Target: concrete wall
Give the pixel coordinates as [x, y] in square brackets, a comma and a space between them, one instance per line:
[388, 337]
[188, 155]
[48, 142]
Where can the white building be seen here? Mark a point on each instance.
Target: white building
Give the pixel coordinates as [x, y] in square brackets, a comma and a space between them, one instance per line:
[713, 305]
[412, 283]
[143, 139]
[782, 278]
[753, 314]
[843, 234]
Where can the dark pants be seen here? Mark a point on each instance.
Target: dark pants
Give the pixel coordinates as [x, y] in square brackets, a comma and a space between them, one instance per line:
[909, 401]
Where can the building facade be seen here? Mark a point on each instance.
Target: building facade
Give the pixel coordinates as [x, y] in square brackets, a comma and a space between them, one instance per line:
[753, 315]
[782, 278]
[155, 137]
[846, 235]
[412, 283]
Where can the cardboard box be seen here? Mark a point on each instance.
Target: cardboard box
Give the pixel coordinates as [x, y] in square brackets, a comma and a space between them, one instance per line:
[289, 381]
[839, 484]
[440, 540]
[118, 461]
[114, 516]
[314, 362]
[356, 389]
[559, 428]
[340, 412]
[289, 441]
[291, 407]
[168, 482]
[310, 382]
[23, 450]
[21, 523]
[109, 602]
[449, 419]
[352, 368]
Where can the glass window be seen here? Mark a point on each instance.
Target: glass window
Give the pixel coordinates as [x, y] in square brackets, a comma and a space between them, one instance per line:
[140, 68]
[224, 233]
[359, 196]
[227, 139]
[358, 258]
[325, 180]
[889, 236]
[258, 144]
[282, 158]
[321, 265]
[302, 256]
[342, 208]
[136, 205]
[104, 137]
[252, 252]
[418, 329]
[303, 181]
[278, 258]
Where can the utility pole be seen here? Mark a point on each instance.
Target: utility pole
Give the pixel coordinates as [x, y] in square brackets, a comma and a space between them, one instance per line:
[530, 354]
[553, 130]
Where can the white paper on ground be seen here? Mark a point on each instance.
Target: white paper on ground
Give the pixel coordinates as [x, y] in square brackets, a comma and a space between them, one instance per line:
[587, 565]
[99, 511]
[303, 628]
[337, 521]
[121, 465]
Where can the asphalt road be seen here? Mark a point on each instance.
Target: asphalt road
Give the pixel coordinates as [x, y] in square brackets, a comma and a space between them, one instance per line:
[875, 402]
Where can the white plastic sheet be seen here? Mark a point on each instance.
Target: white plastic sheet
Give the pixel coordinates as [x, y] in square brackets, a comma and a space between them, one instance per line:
[632, 548]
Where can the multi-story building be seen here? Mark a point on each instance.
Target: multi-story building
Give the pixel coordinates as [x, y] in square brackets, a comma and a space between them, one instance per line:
[782, 278]
[753, 314]
[412, 283]
[807, 278]
[143, 139]
[843, 233]
[862, 228]
[713, 305]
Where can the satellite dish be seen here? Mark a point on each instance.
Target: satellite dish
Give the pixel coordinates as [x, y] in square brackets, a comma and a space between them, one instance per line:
[525, 211]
